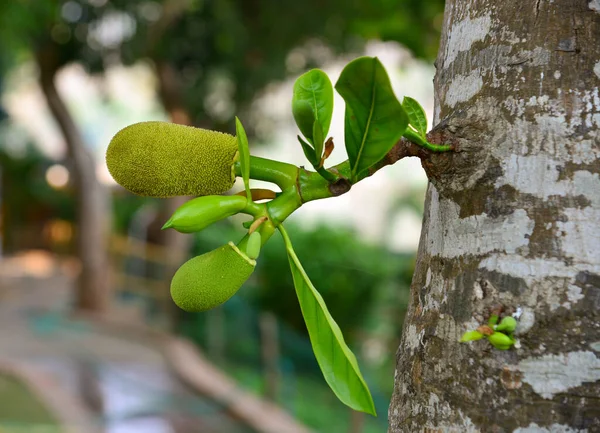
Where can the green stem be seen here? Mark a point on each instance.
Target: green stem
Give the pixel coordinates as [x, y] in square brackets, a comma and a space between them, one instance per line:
[284, 205]
[300, 186]
[326, 174]
[280, 173]
[312, 186]
[277, 210]
[411, 135]
[254, 209]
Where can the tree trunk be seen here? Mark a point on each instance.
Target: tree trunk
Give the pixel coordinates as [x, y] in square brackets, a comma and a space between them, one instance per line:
[93, 213]
[511, 220]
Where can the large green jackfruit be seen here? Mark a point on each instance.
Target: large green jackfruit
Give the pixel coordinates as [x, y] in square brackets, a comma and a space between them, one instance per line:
[209, 280]
[161, 159]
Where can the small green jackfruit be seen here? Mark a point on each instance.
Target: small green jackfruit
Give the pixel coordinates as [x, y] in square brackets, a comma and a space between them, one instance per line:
[507, 325]
[161, 159]
[501, 341]
[209, 280]
[200, 212]
[471, 336]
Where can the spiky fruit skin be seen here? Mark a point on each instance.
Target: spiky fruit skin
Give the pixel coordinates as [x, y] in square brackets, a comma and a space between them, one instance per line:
[209, 280]
[200, 212]
[161, 159]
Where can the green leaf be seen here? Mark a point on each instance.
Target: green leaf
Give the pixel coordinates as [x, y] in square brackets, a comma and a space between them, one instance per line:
[313, 101]
[416, 115]
[309, 152]
[244, 151]
[337, 362]
[413, 136]
[374, 119]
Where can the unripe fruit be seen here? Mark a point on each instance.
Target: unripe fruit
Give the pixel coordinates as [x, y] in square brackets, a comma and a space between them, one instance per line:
[253, 245]
[199, 213]
[161, 159]
[493, 320]
[508, 325]
[209, 280]
[471, 336]
[501, 341]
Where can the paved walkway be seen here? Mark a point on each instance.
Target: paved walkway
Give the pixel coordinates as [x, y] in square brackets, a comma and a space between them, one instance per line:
[114, 379]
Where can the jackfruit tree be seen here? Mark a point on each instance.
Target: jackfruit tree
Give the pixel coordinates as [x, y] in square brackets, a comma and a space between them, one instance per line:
[508, 258]
[163, 160]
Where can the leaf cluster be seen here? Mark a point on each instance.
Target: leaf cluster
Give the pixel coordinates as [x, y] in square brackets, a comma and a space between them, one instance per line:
[224, 51]
[374, 122]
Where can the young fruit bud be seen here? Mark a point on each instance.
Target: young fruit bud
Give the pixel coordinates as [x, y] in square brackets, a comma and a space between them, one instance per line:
[493, 320]
[501, 341]
[253, 245]
[161, 159]
[471, 336]
[199, 213]
[507, 325]
[209, 280]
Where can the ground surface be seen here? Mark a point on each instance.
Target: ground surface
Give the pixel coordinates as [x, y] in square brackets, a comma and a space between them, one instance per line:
[85, 376]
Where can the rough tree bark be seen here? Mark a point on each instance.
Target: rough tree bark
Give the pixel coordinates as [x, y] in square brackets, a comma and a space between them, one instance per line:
[93, 215]
[512, 219]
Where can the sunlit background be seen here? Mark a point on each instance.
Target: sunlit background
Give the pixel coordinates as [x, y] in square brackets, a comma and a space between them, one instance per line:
[89, 338]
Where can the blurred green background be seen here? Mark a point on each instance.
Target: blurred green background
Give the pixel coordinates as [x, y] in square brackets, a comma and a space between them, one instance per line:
[86, 323]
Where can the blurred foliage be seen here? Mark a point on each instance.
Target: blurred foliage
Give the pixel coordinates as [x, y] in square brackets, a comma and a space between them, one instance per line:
[348, 272]
[322, 411]
[27, 198]
[124, 207]
[20, 408]
[223, 51]
[353, 276]
[235, 327]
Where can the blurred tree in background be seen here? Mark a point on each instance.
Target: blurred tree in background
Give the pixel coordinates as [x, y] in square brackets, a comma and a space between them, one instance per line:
[31, 199]
[211, 59]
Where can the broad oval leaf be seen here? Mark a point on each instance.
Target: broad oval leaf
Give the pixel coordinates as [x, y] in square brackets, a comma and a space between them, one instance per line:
[244, 151]
[313, 101]
[374, 119]
[337, 362]
[416, 115]
[304, 116]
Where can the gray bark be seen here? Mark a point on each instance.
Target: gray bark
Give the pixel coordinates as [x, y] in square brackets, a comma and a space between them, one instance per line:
[511, 220]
